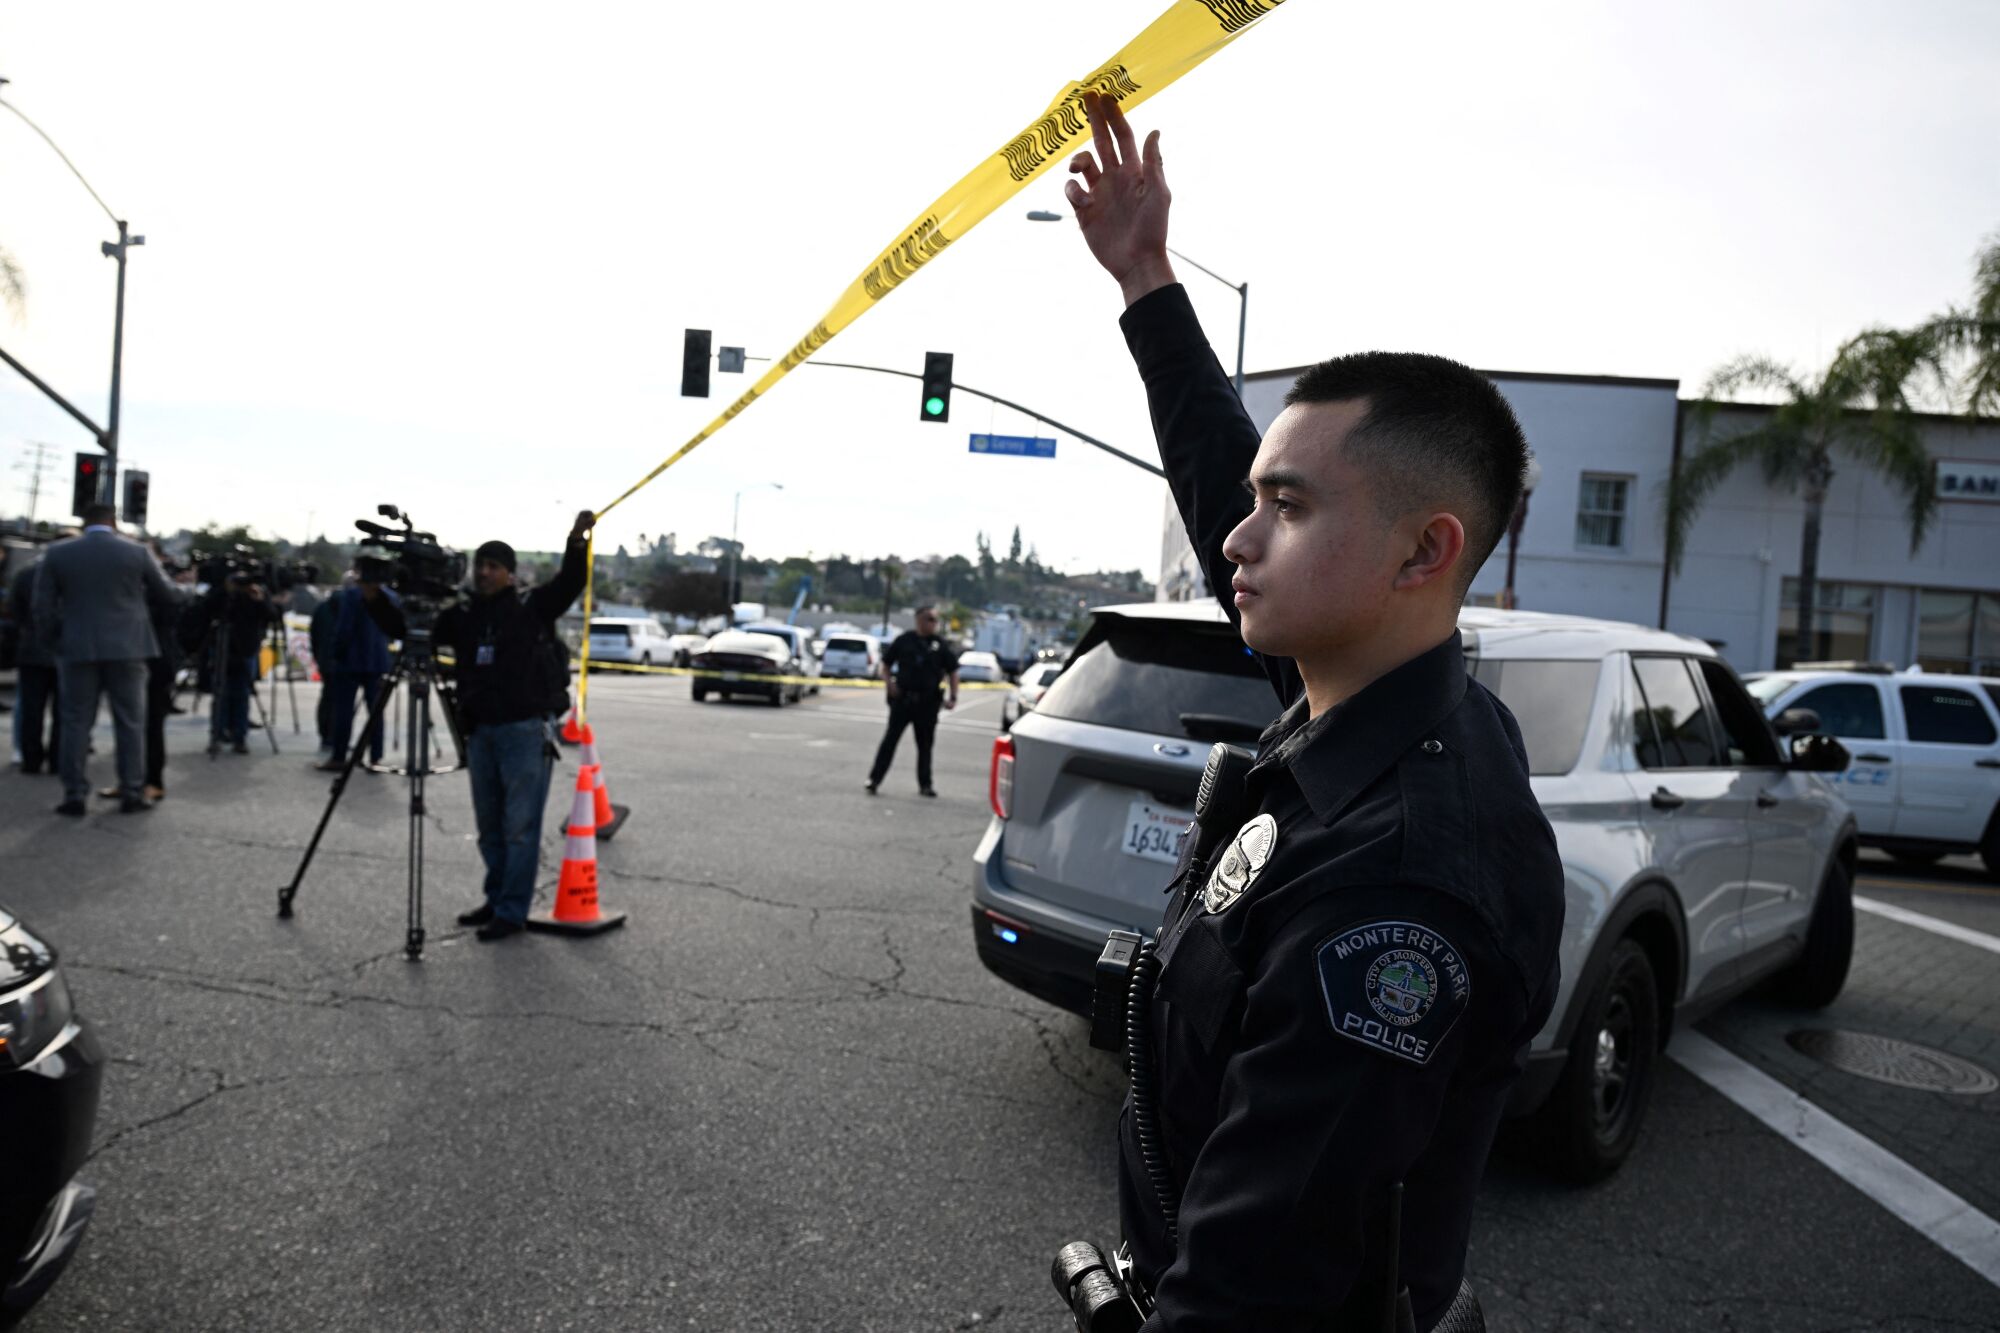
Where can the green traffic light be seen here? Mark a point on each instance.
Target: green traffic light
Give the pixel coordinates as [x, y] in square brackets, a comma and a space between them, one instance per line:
[934, 406]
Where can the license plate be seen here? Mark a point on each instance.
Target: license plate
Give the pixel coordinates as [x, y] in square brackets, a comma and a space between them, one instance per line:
[732, 675]
[1153, 832]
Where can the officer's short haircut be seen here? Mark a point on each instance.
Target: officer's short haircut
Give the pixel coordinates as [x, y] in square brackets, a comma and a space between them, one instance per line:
[1435, 433]
[99, 513]
[927, 606]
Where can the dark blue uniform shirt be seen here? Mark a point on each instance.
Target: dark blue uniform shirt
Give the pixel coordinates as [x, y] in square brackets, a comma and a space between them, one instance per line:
[1346, 1002]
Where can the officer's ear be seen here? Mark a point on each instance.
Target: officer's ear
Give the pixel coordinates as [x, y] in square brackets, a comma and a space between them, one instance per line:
[1434, 545]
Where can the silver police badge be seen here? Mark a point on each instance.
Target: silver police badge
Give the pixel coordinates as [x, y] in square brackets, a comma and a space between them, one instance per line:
[1249, 852]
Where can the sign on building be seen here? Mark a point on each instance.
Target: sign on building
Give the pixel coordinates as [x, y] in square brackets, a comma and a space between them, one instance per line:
[1959, 479]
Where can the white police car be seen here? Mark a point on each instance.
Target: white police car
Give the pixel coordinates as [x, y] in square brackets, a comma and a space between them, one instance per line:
[1925, 777]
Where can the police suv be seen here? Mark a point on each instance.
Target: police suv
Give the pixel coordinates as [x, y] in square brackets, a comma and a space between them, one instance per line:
[1925, 776]
[1701, 854]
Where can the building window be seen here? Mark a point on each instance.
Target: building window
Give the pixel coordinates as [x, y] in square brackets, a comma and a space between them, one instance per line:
[1959, 632]
[1843, 628]
[1600, 512]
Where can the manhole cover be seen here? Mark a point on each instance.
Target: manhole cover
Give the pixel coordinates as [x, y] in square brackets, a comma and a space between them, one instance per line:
[1887, 1060]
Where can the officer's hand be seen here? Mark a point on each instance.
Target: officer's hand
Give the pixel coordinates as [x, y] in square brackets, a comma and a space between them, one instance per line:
[1121, 201]
[370, 591]
[951, 702]
[585, 521]
[256, 592]
[893, 691]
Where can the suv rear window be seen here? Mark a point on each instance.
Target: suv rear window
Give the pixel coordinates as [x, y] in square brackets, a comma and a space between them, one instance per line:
[1145, 675]
[600, 630]
[1550, 699]
[847, 645]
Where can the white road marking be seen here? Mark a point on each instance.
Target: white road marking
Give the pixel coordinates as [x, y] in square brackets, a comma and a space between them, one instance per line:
[1978, 939]
[1936, 1213]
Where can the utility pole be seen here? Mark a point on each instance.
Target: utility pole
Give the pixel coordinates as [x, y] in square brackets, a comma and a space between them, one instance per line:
[34, 470]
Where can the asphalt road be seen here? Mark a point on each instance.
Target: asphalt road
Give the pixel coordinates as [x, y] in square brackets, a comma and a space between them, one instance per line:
[786, 1096]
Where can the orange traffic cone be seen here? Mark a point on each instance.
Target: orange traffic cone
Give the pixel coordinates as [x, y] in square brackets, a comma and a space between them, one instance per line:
[569, 733]
[610, 818]
[576, 910]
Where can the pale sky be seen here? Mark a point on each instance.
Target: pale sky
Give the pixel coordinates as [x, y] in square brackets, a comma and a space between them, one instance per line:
[442, 254]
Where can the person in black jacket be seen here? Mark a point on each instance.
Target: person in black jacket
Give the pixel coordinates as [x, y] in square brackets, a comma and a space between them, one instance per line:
[915, 671]
[242, 605]
[512, 674]
[1344, 1001]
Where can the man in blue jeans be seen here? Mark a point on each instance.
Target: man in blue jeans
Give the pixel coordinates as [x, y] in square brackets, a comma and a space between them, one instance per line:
[512, 673]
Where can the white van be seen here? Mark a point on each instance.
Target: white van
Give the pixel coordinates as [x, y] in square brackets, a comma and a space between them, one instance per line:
[634, 641]
[1925, 781]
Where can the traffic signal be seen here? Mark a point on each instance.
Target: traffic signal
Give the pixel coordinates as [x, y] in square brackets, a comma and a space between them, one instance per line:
[937, 386]
[83, 487]
[694, 363]
[137, 485]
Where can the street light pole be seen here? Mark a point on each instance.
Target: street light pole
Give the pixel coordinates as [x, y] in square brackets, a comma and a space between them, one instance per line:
[736, 512]
[1242, 290]
[108, 481]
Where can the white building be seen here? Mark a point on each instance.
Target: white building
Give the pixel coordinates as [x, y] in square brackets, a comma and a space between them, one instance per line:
[1594, 539]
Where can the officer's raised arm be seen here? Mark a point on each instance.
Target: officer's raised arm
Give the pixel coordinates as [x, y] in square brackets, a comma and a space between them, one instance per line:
[1207, 441]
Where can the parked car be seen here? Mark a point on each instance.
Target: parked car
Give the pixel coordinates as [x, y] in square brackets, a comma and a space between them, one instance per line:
[739, 662]
[1028, 691]
[51, 1068]
[1700, 856]
[800, 642]
[681, 648]
[983, 668]
[630, 641]
[1925, 781]
[851, 656]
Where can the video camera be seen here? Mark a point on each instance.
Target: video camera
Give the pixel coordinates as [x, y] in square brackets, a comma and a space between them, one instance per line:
[426, 574]
[239, 564]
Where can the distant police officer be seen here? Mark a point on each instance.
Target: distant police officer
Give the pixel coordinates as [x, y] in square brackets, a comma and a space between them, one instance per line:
[915, 671]
[1345, 999]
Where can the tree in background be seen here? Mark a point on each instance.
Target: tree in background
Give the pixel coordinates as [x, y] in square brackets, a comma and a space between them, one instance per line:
[13, 287]
[1859, 409]
[1862, 407]
[1974, 332]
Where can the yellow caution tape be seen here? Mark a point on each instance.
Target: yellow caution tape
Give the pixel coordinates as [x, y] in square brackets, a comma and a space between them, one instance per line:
[1186, 34]
[735, 677]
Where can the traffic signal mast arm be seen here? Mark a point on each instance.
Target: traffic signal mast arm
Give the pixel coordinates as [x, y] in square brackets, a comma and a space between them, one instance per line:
[995, 398]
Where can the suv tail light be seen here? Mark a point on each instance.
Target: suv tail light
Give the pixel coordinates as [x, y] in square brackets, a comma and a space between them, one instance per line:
[1000, 787]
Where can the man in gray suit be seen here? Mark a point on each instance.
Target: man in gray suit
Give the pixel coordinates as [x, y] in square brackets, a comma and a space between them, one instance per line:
[94, 602]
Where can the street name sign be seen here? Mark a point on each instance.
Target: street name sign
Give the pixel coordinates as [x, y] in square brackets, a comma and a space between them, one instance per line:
[1020, 446]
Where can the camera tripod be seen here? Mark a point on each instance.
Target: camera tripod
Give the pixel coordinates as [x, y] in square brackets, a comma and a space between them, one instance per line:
[415, 666]
[278, 640]
[219, 666]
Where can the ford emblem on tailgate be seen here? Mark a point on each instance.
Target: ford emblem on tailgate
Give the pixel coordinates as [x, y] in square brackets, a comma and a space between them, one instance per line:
[1170, 750]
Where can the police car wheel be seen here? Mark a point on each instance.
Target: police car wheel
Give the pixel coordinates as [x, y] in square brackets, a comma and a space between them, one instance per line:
[700, 695]
[1592, 1118]
[1821, 970]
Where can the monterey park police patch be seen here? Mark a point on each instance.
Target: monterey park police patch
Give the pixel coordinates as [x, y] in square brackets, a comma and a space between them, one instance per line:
[1396, 986]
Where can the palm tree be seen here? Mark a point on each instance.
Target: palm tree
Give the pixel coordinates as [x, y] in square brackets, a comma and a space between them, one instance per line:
[1858, 409]
[1975, 332]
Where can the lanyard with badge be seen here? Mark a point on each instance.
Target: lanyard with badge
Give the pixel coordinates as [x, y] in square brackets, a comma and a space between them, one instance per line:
[483, 654]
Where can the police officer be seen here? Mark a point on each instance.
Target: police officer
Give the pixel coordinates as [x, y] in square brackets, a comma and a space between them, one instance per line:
[1344, 1000]
[915, 671]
